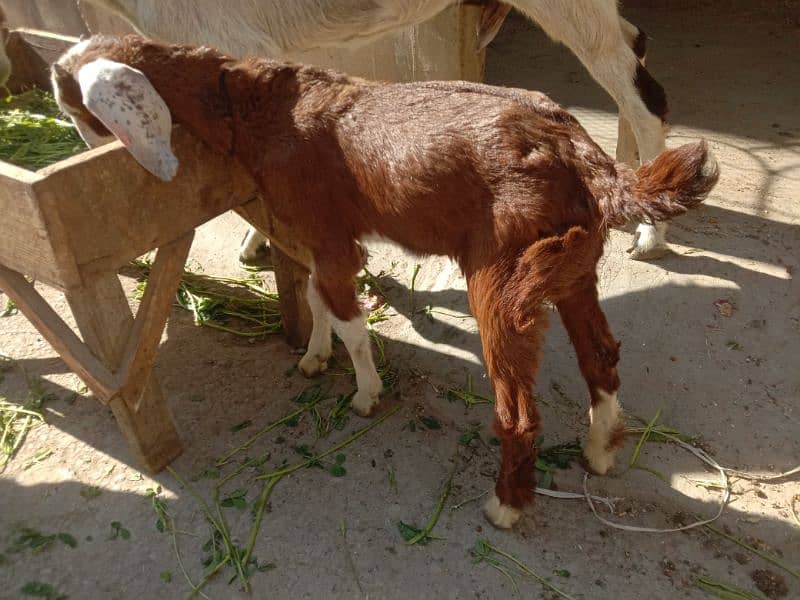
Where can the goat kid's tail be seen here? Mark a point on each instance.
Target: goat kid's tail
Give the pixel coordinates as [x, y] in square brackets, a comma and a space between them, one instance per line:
[667, 186]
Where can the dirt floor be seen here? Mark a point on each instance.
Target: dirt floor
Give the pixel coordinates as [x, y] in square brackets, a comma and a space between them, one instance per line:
[710, 337]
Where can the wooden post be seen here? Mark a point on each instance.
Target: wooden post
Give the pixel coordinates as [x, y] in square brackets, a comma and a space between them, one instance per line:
[105, 320]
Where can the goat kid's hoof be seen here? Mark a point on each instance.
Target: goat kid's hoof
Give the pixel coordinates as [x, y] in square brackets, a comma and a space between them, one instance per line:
[312, 364]
[364, 403]
[500, 515]
[599, 463]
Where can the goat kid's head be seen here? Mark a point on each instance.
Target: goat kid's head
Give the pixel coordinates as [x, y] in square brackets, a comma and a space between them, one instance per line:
[5, 63]
[108, 99]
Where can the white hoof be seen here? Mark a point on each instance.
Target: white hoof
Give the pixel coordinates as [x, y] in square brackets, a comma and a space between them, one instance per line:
[501, 516]
[649, 242]
[312, 364]
[365, 402]
[599, 460]
[254, 247]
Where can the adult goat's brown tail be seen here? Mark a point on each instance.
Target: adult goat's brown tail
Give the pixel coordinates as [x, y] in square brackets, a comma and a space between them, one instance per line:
[675, 181]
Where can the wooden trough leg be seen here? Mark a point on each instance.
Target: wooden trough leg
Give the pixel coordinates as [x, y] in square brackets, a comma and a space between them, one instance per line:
[290, 261]
[291, 279]
[105, 321]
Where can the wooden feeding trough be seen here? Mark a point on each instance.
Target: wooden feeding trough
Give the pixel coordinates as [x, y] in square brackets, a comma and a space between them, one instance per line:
[73, 224]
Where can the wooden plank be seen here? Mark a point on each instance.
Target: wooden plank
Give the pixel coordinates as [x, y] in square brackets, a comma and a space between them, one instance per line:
[25, 244]
[159, 296]
[292, 281]
[104, 196]
[105, 320]
[31, 53]
[75, 353]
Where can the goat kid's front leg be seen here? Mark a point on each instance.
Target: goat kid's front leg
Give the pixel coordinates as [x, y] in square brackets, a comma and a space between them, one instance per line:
[598, 354]
[253, 246]
[315, 360]
[333, 302]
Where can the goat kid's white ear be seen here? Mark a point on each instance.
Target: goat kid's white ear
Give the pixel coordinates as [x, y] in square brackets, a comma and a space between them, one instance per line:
[123, 99]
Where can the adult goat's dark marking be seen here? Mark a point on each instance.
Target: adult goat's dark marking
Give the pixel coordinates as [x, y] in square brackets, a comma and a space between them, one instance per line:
[651, 92]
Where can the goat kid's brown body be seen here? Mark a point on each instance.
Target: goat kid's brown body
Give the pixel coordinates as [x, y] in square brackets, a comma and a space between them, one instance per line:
[503, 181]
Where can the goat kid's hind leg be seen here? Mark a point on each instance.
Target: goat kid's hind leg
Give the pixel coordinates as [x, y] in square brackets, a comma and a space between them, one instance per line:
[511, 359]
[598, 354]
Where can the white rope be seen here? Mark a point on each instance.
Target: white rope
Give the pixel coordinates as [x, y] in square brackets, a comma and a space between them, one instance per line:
[609, 502]
[750, 476]
[702, 455]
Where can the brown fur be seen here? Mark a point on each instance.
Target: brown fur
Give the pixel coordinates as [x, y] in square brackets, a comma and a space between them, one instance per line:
[503, 181]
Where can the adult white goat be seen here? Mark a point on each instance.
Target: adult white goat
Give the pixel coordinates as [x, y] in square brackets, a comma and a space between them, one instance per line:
[611, 48]
[5, 64]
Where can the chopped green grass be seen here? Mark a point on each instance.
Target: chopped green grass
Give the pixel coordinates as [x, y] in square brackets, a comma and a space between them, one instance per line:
[34, 133]
[243, 307]
[726, 591]
[508, 564]
[16, 421]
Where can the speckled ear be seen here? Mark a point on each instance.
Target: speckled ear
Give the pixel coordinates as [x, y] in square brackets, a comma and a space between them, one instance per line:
[123, 99]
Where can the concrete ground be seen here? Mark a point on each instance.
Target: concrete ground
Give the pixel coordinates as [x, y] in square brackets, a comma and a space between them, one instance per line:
[710, 335]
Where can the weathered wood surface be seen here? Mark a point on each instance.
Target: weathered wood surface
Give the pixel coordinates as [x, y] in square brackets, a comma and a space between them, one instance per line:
[31, 53]
[140, 352]
[105, 196]
[72, 350]
[105, 321]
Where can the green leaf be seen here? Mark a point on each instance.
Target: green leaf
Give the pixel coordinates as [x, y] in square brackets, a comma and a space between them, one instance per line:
[90, 491]
[562, 573]
[237, 500]
[68, 539]
[240, 426]
[469, 436]
[409, 532]
[430, 423]
[338, 471]
[118, 531]
[340, 458]
[38, 589]
[166, 576]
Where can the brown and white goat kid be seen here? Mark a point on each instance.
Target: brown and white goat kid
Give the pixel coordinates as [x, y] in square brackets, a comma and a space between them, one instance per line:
[503, 181]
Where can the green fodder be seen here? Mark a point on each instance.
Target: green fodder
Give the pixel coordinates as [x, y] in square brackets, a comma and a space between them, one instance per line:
[34, 133]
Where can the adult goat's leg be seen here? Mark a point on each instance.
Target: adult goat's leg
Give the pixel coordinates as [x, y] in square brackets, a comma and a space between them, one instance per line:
[598, 354]
[606, 46]
[511, 359]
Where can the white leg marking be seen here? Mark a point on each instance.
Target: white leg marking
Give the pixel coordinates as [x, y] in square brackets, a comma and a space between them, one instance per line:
[356, 340]
[251, 246]
[502, 516]
[315, 360]
[649, 242]
[604, 417]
